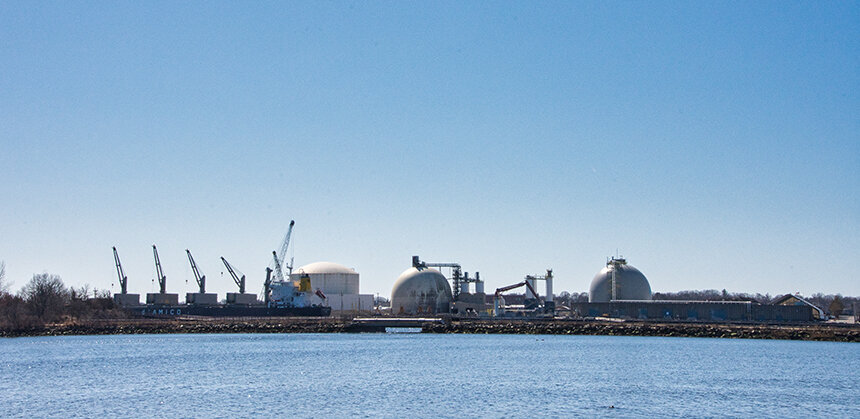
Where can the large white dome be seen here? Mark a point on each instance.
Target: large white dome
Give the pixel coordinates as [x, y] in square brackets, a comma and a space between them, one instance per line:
[421, 290]
[630, 284]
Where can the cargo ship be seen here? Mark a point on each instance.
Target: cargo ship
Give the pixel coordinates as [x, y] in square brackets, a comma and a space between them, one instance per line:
[282, 297]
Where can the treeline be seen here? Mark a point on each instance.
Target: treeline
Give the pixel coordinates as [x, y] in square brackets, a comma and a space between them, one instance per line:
[46, 299]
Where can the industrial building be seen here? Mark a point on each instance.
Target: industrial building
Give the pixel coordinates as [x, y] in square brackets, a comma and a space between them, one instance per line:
[339, 284]
[620, 290]
[797, 300]
[692, 310]
[423, 288]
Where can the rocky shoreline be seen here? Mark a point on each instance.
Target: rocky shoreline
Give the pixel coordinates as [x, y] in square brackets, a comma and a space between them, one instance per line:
[811, 332]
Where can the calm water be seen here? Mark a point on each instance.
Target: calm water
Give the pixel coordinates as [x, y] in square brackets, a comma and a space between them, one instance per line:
[403, 375]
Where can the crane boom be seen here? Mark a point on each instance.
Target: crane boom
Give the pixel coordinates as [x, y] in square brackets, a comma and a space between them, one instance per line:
[123, 280]
[201, 279]
[162, 279]
[279, 273]
[499, 291]
[282, 251]
[499, 301]
[236, 279]
[267, 285]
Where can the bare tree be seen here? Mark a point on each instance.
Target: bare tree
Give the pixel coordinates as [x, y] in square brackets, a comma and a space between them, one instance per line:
[46, 296]
[81, 293]
[4, 287]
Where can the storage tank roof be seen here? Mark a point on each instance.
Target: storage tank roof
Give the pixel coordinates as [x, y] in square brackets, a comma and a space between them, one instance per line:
[324, 268]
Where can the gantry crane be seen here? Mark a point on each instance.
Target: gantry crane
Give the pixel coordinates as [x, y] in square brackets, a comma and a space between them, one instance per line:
[201, 279]
[123, 280]
[239, 281]
[162, 279]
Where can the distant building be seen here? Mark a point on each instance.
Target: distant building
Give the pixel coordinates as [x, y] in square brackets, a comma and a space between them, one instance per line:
[797, 300]
[619, 290]
[676, 310]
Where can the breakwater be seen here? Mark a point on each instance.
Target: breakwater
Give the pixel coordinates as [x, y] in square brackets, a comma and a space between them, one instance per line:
[805, 331]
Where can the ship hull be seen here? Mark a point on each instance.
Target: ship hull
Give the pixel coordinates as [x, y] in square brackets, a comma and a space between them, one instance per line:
[229, 311]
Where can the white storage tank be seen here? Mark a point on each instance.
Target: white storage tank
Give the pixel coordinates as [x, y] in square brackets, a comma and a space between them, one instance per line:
[618, 281]
[421, 290]
[331, 278]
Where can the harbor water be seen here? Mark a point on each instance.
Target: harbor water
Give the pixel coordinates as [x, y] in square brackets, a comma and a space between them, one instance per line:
[422, 375]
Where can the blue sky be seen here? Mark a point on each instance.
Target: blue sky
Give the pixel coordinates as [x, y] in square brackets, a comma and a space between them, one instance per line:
[713, 145]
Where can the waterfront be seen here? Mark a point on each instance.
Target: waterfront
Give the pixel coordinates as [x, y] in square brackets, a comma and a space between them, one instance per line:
[393, 375]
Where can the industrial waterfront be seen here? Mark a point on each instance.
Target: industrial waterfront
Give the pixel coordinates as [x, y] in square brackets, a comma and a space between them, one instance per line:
[618, 290]
[424, 375]
[431, 297]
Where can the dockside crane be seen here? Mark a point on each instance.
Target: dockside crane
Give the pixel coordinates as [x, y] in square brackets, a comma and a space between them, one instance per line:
[498, 300]
[279, 276]
[123, 280]
[201, 279]
[162, 279]
[239, 281]
[282, 251]
[279, 273]
[267, 286]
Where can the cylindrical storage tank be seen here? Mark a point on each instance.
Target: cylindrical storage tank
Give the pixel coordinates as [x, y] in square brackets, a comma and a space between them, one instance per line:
[479, 287]
[630, 284]
[464, 288]
[529, 294]
[421, 290]
[548, 288]
[331, 278]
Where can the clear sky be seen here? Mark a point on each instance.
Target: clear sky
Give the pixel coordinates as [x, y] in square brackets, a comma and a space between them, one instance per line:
[714, 145]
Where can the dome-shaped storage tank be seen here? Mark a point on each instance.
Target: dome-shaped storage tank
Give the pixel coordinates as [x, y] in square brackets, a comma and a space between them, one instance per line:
[630, 284]
[421, 290]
